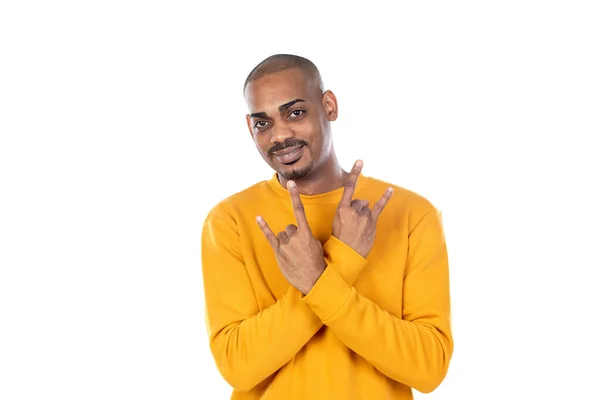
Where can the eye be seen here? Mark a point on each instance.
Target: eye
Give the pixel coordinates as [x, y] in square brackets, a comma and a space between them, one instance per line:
[260, 125]
[297, 114]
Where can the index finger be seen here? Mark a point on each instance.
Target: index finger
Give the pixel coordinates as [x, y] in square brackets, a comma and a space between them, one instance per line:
[297, 206]
[351, 184]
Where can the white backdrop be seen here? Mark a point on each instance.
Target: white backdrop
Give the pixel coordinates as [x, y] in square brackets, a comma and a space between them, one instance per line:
[122, 124]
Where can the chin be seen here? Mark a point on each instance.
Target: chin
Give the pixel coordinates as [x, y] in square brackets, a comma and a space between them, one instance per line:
[295, 173]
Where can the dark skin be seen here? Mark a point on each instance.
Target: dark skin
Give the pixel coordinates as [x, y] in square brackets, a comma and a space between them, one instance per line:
[272, 123]
[288, 108]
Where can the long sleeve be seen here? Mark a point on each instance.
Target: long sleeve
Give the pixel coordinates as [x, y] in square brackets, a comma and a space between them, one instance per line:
[248, 344]
[415, 349]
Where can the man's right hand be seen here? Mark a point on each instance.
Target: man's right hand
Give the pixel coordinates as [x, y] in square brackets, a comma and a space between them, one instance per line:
[299, 254]
[354, 222]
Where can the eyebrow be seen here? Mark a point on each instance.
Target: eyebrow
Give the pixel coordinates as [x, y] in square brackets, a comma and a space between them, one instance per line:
[282, 108]
[287, 105]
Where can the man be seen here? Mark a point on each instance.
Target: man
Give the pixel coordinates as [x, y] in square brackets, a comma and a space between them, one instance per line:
[321, 283]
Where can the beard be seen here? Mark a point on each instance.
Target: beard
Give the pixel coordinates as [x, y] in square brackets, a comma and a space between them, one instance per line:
[296, 173]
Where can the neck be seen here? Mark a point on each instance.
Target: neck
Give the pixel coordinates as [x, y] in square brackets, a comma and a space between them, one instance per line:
[327, 178]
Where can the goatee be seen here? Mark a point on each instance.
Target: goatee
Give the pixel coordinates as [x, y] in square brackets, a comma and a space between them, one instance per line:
[296, 174]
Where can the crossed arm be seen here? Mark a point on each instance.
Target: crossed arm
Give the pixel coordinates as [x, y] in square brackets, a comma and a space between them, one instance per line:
[249, 345]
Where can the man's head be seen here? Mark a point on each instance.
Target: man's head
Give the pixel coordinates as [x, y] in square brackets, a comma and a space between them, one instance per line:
[289, 115]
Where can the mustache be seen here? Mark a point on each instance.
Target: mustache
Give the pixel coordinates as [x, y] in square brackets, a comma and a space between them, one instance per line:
[286, 144]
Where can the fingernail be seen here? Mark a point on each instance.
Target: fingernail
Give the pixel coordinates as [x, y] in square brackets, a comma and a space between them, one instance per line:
[390, 190]
[259, 220]
[291, 184]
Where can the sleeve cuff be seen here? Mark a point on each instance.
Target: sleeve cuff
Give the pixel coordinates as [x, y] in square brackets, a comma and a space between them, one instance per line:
[344, 259]
[329, 295]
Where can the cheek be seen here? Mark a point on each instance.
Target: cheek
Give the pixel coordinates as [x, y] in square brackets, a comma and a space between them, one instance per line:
[311, 131]
[259, 141]
[263, 145]
[316, 137]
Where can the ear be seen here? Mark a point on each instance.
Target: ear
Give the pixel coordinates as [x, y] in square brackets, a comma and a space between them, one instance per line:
[330, 104]
[249, 124]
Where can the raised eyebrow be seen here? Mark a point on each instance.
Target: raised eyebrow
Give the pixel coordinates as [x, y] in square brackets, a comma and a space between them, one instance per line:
[287, 105]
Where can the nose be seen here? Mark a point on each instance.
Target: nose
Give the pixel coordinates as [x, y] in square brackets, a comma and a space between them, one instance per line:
[280, 133]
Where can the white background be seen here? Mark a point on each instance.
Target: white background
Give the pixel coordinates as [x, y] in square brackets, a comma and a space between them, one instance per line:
[122, 124]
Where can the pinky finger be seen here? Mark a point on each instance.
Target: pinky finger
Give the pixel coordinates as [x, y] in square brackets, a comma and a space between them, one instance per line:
[381, 203]
[268, 232]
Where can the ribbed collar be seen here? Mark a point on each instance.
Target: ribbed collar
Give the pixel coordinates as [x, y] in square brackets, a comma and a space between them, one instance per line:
[333, 196]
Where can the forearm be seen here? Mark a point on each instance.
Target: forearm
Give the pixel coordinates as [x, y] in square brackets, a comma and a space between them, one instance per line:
[415, 353]
[247, 343]
[249, 351]
[347, 262]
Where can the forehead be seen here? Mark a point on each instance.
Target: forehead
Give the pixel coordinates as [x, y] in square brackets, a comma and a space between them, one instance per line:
[269, 92]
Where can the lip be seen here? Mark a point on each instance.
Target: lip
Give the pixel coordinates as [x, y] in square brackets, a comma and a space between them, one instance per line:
[287, 151]
[289, 155]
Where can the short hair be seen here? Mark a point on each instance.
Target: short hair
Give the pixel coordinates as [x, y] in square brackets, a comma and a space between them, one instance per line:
[282, 62]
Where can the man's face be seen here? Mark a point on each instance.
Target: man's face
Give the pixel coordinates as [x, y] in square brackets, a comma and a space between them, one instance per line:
[289, 122]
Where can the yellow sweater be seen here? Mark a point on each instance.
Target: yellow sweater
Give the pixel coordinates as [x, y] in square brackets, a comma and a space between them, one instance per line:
[369, 329]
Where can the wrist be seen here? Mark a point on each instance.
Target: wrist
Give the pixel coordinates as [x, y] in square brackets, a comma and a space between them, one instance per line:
[313, 281]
